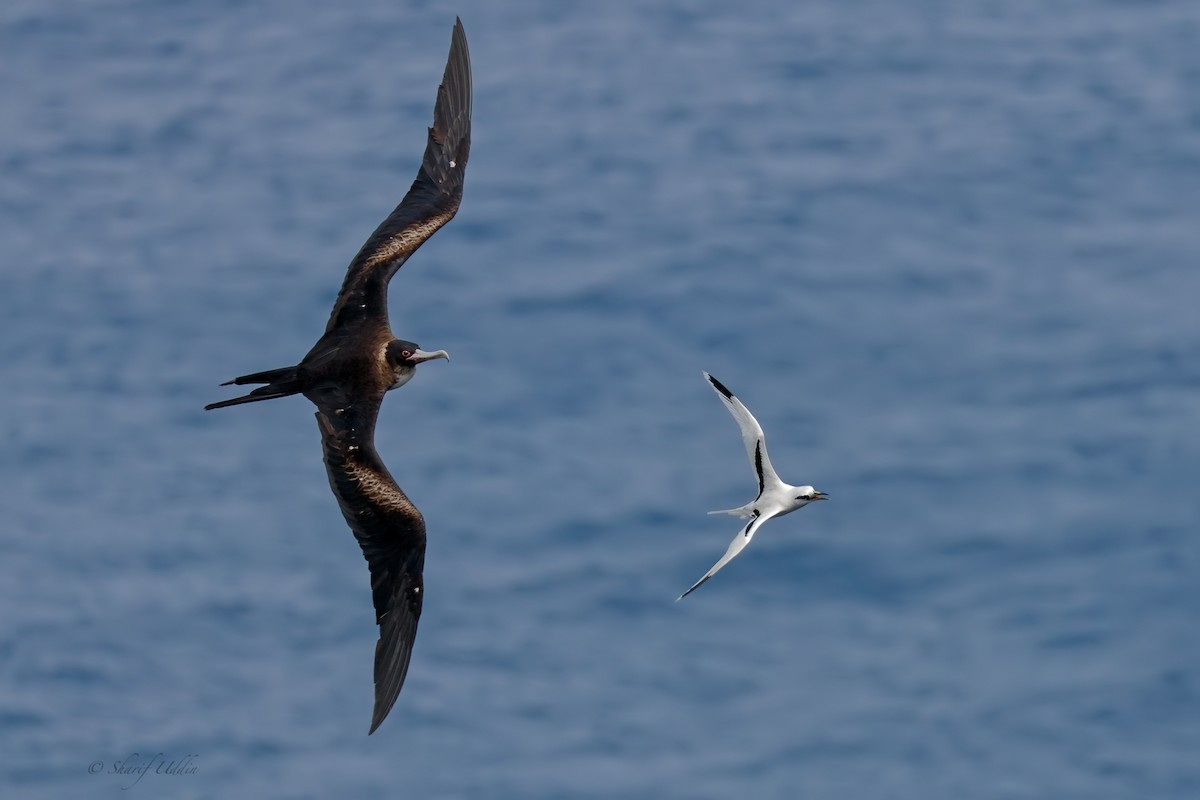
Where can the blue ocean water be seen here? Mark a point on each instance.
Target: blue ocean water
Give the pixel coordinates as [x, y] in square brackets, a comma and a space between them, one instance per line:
[946, 252]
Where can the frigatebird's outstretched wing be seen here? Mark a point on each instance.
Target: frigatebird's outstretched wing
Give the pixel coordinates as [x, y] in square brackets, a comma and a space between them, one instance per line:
[391, 532]
[431, 202]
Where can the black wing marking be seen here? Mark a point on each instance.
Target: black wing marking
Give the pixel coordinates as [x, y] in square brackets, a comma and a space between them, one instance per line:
[753, 438]
[758, 468]
[391, 532]
[431, 202]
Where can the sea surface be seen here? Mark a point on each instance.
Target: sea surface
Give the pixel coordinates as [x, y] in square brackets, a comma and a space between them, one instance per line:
[946, 252]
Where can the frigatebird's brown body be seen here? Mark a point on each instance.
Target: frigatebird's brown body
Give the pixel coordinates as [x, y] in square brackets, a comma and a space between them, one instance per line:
[358, 360]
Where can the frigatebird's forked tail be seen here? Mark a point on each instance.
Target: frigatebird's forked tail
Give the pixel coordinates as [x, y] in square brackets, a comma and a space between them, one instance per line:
[280, 382]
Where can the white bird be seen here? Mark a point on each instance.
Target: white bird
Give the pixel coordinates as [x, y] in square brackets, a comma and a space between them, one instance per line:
[775, 498]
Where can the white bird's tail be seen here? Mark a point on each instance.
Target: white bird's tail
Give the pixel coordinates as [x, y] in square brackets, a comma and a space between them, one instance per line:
[740, 511]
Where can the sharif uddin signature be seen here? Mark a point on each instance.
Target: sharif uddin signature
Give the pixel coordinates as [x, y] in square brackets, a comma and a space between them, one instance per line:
[138, 766]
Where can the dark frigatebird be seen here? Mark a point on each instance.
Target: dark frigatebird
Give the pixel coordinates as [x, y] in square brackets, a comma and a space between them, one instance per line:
[358, 360]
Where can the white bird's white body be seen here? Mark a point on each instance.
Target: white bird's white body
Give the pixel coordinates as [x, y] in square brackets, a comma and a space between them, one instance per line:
[775, 498]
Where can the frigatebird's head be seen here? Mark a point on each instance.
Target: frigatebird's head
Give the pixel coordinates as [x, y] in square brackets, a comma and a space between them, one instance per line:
[808, 494]
[403, 357]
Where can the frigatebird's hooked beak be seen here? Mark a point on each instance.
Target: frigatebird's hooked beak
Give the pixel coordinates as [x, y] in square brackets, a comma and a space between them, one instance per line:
[420, 355]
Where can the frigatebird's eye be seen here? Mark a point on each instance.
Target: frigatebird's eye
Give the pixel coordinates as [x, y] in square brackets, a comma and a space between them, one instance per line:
[406, 353]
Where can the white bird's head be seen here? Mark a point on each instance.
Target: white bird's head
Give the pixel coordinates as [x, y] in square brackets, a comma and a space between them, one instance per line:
[810, 495]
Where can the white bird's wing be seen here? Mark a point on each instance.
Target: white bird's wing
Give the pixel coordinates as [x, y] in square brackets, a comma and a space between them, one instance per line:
[736, 546]
[752, 437]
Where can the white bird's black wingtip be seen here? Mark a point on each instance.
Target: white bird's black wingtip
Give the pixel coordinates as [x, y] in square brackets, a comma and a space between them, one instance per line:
[695, 586]
[720, 387]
